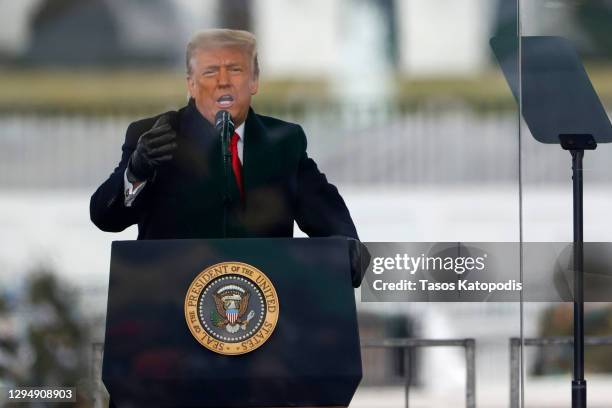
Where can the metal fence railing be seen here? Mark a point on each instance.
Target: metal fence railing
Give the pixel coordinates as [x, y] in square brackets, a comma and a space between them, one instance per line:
[515, 367]
[408, 343]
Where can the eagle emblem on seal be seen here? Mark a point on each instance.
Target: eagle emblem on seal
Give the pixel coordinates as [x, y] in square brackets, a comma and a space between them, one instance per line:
[231, 304]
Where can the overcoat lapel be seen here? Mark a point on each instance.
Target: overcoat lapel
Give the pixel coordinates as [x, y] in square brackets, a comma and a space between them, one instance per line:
[204, 150]
[202, 146]
[255, 153]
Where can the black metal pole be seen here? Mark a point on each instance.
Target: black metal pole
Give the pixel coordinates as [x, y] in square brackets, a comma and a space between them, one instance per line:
[577, 144]
[578, 382]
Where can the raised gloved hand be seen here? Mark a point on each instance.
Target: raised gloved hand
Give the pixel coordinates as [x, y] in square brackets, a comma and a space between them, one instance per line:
[154, 147]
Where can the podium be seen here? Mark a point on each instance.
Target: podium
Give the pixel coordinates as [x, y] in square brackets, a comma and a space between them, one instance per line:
[231, 323]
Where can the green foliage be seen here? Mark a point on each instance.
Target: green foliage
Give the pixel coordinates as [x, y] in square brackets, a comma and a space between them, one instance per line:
[558, 321]
[55, 333]
[50, 345]
[595, 17]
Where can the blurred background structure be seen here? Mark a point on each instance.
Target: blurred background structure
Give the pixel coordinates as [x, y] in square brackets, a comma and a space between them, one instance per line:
[405, 110]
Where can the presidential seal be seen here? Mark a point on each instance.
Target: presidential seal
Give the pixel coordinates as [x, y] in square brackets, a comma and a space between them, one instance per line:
[231, 308]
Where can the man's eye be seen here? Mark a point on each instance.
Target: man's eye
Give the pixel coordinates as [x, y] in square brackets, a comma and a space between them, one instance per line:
[208, 73]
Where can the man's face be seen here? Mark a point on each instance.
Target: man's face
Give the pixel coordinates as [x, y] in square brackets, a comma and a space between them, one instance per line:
[222, 79]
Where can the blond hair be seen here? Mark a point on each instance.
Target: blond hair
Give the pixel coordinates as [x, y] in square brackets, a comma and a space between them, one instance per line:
[223, 38]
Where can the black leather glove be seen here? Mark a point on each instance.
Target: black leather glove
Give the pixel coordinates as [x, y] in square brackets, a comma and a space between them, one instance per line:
[360, 260]
[359, 257]
[154, 147]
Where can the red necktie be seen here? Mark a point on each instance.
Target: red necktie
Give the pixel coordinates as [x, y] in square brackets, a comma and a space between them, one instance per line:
[236, 165]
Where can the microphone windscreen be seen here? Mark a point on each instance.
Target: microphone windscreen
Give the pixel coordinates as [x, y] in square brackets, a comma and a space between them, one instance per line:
[224, 123]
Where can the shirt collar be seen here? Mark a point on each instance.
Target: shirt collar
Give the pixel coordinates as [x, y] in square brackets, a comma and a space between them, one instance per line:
[240, 131]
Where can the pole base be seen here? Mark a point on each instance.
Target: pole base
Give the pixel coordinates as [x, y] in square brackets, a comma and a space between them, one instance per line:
[579, 394]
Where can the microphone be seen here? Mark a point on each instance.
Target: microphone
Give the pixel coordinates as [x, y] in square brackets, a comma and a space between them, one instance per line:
[225, 126]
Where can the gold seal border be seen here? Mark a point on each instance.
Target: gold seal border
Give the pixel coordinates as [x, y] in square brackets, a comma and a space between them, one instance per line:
[231, 268]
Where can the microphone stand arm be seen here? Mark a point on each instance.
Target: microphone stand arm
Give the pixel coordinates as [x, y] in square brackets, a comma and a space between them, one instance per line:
[226, 154]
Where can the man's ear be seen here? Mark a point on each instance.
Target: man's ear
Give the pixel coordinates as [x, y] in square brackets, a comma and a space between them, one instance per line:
[254, 85]
[190, 85]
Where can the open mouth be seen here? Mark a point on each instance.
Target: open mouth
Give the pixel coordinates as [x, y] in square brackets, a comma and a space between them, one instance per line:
[225, 101]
